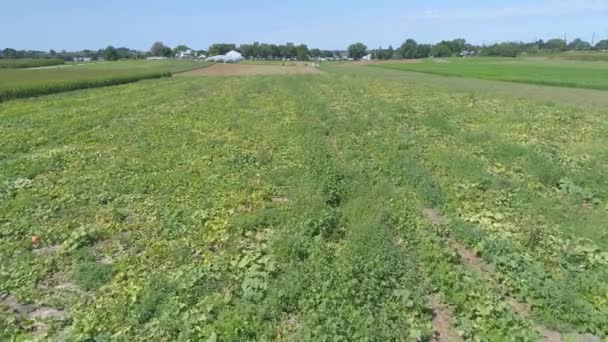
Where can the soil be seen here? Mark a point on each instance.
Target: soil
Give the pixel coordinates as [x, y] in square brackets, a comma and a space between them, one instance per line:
[442, 315]
[249, 69]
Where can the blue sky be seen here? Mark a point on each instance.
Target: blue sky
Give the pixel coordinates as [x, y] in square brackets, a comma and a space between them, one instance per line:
[75, 25]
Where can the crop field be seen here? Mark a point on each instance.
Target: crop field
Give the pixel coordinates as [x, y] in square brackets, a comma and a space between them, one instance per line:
[590, 56]
[330, 207]
[15, 83]
[28, 63]
[561, 73]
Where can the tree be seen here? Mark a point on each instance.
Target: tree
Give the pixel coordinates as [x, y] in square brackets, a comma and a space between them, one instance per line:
[327, 54]
[556, 44]
[302, 53]
[221, 49]
[357, 50]
[159, 49]
[53, 53]
[407, 49]
[422, 51]
[440, 50]
[602, 45]
[180, 48]
[389, 53]
[110, 54]
[579, 45]
[503, 50]
[9, 53]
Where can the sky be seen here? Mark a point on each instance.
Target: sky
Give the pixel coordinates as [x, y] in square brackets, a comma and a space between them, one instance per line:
[327, 24]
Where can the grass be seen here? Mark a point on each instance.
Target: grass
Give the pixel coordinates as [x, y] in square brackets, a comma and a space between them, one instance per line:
[588, 56]
[26, 83]
[291, 208]
[575, 74]
[28, 63]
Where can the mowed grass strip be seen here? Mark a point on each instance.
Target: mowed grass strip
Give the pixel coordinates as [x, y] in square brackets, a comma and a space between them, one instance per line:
[18, 83]
[574, 74]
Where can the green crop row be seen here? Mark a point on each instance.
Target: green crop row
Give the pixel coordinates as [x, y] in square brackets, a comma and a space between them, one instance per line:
[21, 92]
[19, 83]
[573, 74]
[28, 63]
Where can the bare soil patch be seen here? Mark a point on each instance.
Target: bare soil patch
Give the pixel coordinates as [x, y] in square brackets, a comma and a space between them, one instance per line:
[392, 61]
[250, 69]
[442, 315]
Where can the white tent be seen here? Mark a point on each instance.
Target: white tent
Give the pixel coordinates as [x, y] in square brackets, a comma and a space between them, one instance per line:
[230, 57]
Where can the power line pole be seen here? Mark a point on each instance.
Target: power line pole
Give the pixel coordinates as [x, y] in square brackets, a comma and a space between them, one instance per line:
[593, 40]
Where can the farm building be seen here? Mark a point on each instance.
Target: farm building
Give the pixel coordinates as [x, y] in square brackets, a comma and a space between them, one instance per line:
[186, 54]
[230, 57]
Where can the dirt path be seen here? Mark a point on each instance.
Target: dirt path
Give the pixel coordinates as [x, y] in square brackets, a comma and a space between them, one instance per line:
[251, 69]
[480, 266]
[442, 316]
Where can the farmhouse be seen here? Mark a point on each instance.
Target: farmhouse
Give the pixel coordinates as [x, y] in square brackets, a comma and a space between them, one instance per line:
[230, 57]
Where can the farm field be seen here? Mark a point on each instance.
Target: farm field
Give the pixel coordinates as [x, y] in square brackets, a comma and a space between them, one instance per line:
[15, 83]
[575, 74]
[28, 63]
[589, 56]
[338, 206]
[230, 69]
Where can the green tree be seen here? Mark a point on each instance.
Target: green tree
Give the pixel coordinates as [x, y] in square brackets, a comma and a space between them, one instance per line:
[602, 45]
[302, 53]
[502, 50]
[158, 49]
[389, 53]
[180, 48]
[440, 50]
[357, 50]
[9, 53]
[556, 45]
[579, 45]
[221, 49]
[315, 53]
[422, 51]
[408, 49]
[110, 54]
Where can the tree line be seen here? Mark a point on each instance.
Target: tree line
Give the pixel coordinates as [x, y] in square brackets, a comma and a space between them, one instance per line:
[410, 49]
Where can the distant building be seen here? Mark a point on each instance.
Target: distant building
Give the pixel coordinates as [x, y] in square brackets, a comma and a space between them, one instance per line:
[186, 54]
[83, 59]
[367, 58]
